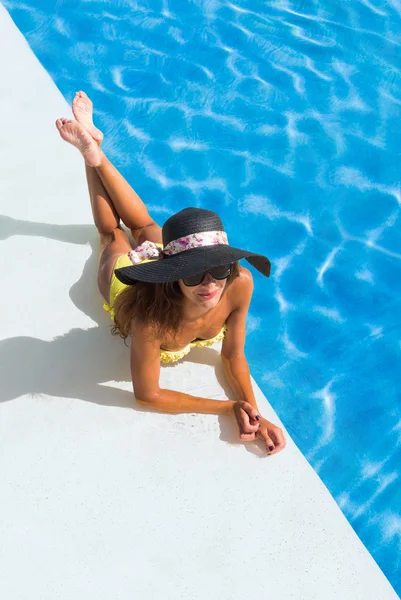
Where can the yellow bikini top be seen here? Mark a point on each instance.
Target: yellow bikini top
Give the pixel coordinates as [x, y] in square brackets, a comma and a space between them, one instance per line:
[168, 356]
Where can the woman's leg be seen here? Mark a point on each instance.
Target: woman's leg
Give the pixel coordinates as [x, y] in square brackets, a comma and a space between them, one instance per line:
[113, 241]
[104, 181]
[111, 198]
[104, 214]
[126, 201]
[128, 204]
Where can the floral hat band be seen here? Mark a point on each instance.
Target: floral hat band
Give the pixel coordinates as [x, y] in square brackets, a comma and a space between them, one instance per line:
[194, 241]
[151, 251]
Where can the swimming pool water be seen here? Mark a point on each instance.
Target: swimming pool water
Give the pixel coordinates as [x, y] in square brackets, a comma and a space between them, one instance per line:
[284, 118]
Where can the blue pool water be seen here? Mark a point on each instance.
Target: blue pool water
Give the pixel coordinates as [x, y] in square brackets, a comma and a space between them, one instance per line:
[284, 117]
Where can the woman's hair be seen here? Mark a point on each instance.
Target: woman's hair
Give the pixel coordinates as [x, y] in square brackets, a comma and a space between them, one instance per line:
[156, 304]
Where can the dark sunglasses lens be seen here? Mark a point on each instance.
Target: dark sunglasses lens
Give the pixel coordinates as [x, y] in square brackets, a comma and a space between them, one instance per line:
[221, 272]
[193, 279]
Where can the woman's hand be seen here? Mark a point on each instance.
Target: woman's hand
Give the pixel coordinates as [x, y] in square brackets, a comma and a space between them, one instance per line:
[247, 418]
[252, 425]
[272, 436]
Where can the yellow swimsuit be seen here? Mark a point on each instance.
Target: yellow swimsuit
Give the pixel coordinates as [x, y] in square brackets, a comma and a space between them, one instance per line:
[166, 356]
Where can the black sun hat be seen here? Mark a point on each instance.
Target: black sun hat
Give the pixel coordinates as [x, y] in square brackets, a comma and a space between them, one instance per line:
[194, 241]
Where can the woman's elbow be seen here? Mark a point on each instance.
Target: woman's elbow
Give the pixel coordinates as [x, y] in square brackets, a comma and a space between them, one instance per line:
[148, 401]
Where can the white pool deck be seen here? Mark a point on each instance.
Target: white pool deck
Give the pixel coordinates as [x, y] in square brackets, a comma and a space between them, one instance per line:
[100, 499]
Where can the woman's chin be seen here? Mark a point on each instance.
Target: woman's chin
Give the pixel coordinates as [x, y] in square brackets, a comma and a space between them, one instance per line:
[209, 301]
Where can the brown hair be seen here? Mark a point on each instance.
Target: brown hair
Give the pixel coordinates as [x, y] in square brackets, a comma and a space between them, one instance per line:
[156, 304]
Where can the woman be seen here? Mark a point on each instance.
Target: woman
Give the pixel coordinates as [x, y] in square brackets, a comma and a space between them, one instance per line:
[181, 286]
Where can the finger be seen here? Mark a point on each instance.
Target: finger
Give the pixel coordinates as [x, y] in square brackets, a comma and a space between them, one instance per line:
[247, 437]
[277, 449]
[278, 437]
[263, 435]
[249, 428]
[279, 440]
[246, 426]
[251, 411]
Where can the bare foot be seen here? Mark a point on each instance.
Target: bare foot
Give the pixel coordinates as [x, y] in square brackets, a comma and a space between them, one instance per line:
[73, 133]
[82, 109]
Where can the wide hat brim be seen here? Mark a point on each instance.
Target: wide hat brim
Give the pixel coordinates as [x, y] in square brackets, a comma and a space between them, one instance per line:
[190, 262]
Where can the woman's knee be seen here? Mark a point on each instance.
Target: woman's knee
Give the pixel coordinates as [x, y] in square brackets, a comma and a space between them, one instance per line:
[115, 240]
[106, 226]
[151, 232]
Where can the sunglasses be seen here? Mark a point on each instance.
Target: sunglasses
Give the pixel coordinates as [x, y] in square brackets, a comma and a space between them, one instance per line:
[221, 272]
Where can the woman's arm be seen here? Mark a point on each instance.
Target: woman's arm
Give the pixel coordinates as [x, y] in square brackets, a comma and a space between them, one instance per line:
[238, 376]
[145, 370]
[234, 362]
[236, 366]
